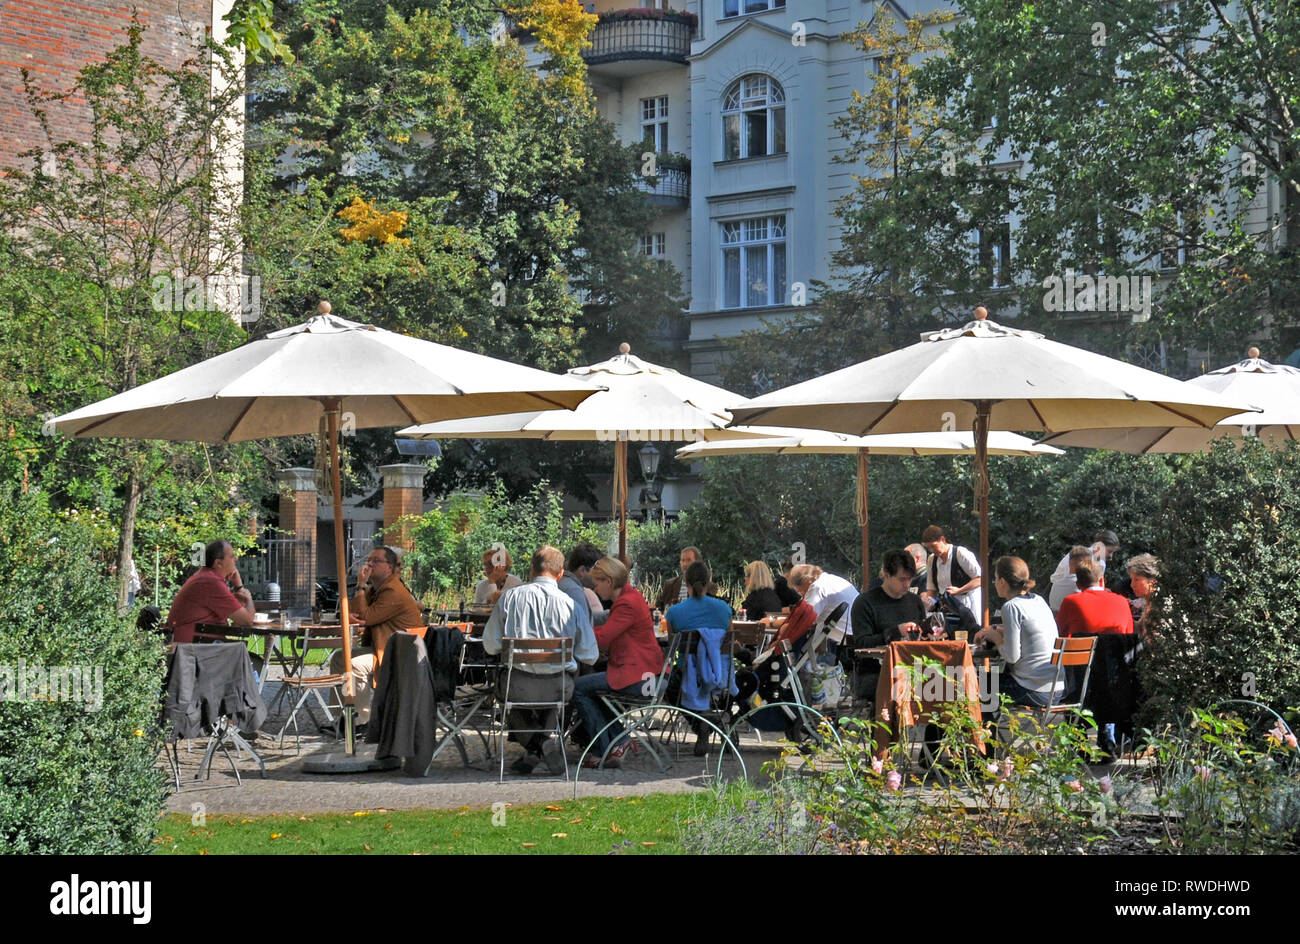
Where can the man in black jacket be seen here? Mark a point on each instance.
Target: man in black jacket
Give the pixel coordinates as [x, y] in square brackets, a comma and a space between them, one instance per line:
[885, 613]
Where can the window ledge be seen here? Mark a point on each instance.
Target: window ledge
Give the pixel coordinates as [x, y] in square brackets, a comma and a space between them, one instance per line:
[772, 158]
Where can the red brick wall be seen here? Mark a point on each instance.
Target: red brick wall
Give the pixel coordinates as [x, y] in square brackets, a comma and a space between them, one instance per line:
[53, 39]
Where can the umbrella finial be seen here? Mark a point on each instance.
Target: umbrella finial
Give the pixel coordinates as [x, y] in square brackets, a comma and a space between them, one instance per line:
[625, 348]
[1253, 353]
[324, 307]
[981, 313]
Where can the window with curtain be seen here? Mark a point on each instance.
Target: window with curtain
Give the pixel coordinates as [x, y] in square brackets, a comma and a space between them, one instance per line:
[754, 262]
[753, 118]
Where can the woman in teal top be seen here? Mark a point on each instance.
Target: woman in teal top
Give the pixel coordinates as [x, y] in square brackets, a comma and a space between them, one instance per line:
[698, 611]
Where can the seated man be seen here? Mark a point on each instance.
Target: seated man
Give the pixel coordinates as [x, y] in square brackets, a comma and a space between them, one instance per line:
[383, 605]
[576, 582]
[539, 610]
[886, 613]
[213, 595]
[677, 590]
[497, 579]
[1094, 610]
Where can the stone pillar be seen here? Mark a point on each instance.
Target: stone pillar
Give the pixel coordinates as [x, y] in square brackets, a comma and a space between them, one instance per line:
[297, 563]
[403, 495]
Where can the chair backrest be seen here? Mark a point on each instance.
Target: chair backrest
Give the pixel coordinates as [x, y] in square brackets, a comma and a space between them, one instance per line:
[748, 633]
[417, 631]
[1072, 651]
[556, 652]
[830, 624]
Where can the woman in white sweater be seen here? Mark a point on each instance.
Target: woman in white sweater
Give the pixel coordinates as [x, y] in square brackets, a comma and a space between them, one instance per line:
[1026, 637]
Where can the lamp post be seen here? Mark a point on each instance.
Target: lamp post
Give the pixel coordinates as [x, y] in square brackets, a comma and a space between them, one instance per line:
[648, 455]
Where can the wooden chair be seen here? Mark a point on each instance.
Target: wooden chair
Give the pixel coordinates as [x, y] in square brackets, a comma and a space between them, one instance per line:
[1067, 652]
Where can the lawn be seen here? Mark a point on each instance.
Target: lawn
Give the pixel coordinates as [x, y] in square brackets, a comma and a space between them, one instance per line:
[643, 824]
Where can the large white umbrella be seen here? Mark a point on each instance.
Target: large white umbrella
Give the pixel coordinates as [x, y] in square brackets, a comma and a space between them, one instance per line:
[984, 376]
[283, 384]
[638, 402]
[1275, 388]
[793, 442]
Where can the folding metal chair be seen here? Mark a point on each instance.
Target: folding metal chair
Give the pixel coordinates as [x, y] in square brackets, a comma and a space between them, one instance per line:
[308, 686]
[473, 705]
[555, 654]
[1067, 652]
[620, 704]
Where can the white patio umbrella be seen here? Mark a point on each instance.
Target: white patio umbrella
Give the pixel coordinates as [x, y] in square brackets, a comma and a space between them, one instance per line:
[981, 376]
[638, 401]
[1275, 388]
[283, 384]
[822, 442]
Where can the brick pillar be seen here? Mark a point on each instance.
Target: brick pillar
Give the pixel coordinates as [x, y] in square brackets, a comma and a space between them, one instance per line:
[298, 520]
[403, 495]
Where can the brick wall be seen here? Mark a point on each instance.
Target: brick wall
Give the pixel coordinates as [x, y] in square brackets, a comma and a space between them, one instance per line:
[403, 495]
[54, 39]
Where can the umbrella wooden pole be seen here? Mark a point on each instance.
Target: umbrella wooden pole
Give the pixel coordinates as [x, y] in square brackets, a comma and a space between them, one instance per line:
[982, 410]
[340, 564]
[864, 517]
[620, 494]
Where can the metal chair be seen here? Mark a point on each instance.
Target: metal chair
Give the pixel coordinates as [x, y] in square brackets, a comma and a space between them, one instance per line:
[307, 686]
[555, 654]
[1067, 652]
[620, 705]
[473, 706]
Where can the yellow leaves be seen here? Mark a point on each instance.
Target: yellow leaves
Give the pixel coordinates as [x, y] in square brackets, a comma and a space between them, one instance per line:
[561, 26]
[370, 223]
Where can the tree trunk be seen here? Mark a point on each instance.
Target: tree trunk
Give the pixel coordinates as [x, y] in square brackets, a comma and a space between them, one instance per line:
[126, 538]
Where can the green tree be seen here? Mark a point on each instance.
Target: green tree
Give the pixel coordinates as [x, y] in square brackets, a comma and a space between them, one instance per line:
[110, 245]
[486, 203]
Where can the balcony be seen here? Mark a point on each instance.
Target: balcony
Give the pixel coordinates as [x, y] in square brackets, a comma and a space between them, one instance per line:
[673, 186]
[631, 42]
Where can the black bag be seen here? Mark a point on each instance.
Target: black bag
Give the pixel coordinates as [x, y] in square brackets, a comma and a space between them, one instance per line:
[955, 615]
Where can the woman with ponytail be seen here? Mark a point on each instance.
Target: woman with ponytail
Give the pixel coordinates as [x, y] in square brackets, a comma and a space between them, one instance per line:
[1026, 637]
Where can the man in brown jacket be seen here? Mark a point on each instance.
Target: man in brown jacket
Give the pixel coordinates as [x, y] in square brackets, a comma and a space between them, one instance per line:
[384, 606]
[674, 590]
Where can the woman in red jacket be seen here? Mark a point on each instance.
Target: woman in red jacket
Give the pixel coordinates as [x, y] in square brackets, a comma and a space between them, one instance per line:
[635, 658]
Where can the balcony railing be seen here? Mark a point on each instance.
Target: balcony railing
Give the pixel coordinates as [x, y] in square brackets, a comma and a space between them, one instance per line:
[673, 187]
[640, 34]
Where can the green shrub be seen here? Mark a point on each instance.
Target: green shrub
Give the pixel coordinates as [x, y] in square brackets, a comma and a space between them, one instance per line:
[446, 560]
[75, 776]
[1227, 607]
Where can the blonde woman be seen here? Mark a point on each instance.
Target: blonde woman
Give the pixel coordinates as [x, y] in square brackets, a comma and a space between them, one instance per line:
[761, 597]
[628, 636]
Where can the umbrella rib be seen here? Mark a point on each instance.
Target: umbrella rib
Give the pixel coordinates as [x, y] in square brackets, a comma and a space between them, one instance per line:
[555, 403]
[98, 422]
[1033, 406]
[879, 419]
[1186, 416]
[405, 409]
[238, 419]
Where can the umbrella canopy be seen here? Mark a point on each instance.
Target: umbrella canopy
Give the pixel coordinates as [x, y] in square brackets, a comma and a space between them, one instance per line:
[791, 442]
[985, 375]
[638, 401]
[274, 387]
[1275, 388]
[285, 383]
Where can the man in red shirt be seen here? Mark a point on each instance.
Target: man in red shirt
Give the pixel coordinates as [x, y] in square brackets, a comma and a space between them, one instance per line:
[213, 595]
[1094, 609]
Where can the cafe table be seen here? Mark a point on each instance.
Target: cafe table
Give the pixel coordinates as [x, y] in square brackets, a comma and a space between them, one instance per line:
[277, 632]
[917, 679]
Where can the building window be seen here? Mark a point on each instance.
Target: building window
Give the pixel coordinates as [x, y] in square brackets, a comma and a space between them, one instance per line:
[753, 118]
[654, 123]
[653, 245]
[753, 262]
[995, 255]
[738, 7]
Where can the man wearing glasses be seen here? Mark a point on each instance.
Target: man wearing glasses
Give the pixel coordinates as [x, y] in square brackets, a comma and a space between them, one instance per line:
[383, 605]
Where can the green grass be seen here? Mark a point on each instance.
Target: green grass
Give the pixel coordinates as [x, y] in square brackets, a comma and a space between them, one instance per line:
[643, 824]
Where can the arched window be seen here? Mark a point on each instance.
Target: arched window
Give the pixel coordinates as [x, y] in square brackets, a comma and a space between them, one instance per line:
[753, 118]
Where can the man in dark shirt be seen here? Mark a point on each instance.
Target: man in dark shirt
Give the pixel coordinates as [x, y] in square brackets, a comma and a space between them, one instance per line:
[885, 613]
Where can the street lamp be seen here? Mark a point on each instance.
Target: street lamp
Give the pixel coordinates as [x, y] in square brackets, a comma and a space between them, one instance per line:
[648, 456]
